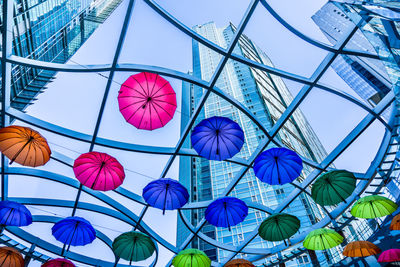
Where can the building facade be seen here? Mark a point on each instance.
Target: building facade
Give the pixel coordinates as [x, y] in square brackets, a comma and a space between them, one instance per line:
[367, 77]
[267, 97]
[51, 31]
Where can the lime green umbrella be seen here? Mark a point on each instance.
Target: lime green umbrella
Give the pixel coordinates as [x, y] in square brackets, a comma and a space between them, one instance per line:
[322, 238]
[373, 206]
[278, 227]
[133, 246]
[333, 187]
[191, 258]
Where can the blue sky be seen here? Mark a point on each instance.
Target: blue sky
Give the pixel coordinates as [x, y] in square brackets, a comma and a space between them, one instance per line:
[73, 100]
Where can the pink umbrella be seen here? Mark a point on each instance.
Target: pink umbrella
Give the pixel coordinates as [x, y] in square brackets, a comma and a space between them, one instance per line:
[99, 171]
[58, 263]
[390, 255]
[147, 101]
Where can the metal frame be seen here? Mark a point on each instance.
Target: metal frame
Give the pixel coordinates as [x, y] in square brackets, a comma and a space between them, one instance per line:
[124, 214]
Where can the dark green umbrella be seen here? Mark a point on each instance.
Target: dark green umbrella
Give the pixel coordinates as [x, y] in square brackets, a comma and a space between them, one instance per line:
[133, 246]
[278, 227]
[321, 239]
[191, 258]
[333, 187]
[373, 206]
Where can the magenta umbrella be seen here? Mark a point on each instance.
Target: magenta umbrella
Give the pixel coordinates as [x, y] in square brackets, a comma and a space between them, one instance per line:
[147, 101]
[99, 171]
[390, 255]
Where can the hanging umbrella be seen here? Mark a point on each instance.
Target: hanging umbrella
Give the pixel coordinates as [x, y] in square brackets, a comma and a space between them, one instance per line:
[10, 257]
[278, 227]
[24, 146]
[191, 258]
[390, 255]
[133, 246]
[74, 231]
[217, 138]
[14, 214]
[165, 194]
[147, 101]
[278, 166]
[395, 224]
[239, 263]
[58, 263]
[373, 206]
[321, 239]
[360, 249]
[99, 171]
[333, 187]
[226, 212]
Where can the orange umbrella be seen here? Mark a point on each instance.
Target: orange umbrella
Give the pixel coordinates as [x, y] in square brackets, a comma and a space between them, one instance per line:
[10, 257]
[239, 263]
[24, 146]
[395, 224]
[360, 249]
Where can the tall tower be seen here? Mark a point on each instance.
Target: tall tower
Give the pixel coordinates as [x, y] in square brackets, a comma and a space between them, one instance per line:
[50, 31]
[267, 97]
[366, 76]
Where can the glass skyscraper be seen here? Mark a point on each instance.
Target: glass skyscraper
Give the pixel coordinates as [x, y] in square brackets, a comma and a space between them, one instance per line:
[367, 77]
[51, 31]
[267, 97]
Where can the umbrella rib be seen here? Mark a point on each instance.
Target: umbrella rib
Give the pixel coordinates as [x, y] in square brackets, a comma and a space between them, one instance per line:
[147, 84]
[158, 115]
[161, 87]
[20, 150]
[139, 85]
[154, 84]
[131, 104]
[164, 108]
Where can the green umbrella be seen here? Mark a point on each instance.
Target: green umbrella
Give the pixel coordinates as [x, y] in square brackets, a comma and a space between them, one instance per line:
[321, 239]
[133, 246]
[191, 258]
[373, 206]
[333, 187]
[278, 227]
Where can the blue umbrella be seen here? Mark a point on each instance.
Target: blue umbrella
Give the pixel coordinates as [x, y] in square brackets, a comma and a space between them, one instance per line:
[14, 214]
[74, 231]
[226, 212]
[165, 194]
[217, 138]
[278, 166]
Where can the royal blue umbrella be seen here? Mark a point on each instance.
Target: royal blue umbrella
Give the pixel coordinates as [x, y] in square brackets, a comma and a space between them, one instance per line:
[217, 138]
[14, 214]
[165, 194]
[226, 212]
[74, 231]
[278, 166]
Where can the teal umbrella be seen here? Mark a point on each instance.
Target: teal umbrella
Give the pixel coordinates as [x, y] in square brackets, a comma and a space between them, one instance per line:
[333, 187]
[133, 246]
[278, 227]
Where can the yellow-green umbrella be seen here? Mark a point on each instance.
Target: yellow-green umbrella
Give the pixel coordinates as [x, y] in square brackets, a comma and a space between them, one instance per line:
[191, 258]
[374, 206]
[321, 239]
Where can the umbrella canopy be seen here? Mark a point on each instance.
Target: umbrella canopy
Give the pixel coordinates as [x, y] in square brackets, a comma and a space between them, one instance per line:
[390, 255]
[14, 214]
[133, 246]
[226, 212]
[191, 258]
[278, 166]
[24, 146]
[99, 171]
[333, 187]
[217, 138]
[360, 249]
[321, 239]
[74, 231]
[58, 263]
[278, 227]
[10, 257]
[239, 263]
[395, 224]
[147, 101]
[165, 194]
[373, 206]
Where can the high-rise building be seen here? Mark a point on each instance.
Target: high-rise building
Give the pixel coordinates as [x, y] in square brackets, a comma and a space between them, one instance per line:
[51, 31]
[267, 97]
[366, 76]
